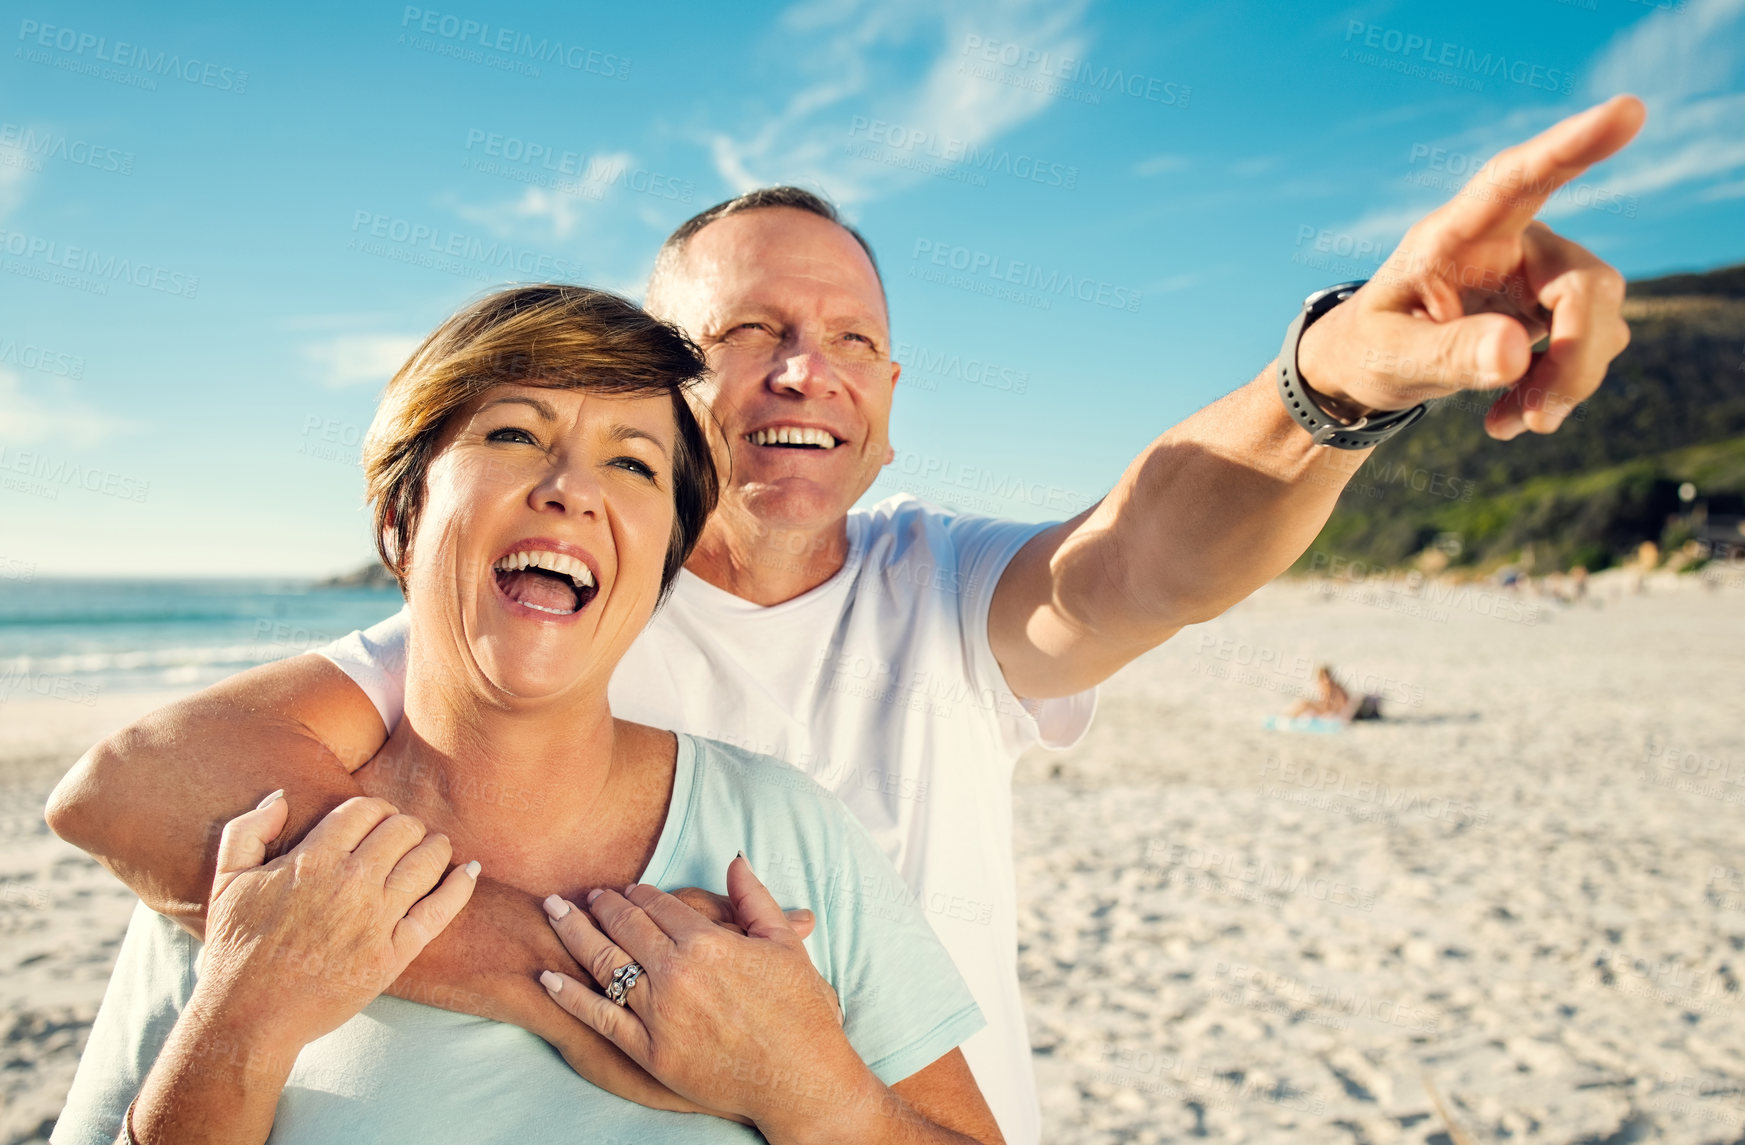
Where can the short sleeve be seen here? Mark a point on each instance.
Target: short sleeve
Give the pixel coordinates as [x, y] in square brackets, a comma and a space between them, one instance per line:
[984, 547]
[904, 1003]
[153, 979]
[375, 659]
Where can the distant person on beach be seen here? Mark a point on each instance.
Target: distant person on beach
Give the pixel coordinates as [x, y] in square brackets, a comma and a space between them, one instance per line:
[904, 655]
[538, 480]
[1332, 702]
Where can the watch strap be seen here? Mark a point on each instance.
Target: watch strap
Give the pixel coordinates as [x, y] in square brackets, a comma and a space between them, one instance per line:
[1323, 427]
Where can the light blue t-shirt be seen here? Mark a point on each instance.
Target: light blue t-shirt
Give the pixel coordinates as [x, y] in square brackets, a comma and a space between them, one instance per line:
[400, 1072]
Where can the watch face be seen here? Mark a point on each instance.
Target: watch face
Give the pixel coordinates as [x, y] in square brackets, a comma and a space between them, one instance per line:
[1327, 298]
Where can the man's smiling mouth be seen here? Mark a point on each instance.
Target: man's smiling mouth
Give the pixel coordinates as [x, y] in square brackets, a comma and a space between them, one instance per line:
[792, 437]
[545, 581]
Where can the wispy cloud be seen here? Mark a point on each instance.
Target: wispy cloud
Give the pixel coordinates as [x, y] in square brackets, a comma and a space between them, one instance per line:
[59, 416]
[856, 58]
[556, 211]
[1680, 63]
[358, 359]
[1686, 64]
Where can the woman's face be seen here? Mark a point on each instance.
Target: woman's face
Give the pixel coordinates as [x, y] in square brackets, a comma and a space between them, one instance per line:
[545, 526]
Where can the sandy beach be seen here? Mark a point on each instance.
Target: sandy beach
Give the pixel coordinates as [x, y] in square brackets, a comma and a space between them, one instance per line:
[1526, 884]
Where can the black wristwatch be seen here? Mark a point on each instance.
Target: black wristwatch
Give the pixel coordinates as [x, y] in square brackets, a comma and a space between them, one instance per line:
[1300, 402]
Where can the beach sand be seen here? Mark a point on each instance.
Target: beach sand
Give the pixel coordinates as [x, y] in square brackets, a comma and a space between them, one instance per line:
[1527, 884]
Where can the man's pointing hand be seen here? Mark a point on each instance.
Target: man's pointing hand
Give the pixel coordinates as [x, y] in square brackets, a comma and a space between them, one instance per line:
[1474, 284]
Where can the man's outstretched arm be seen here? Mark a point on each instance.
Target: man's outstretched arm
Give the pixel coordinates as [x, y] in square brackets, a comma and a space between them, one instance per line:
[151, 801]
[1231, 497]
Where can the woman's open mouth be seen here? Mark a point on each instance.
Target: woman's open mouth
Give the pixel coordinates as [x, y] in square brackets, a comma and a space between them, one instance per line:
[548, 582]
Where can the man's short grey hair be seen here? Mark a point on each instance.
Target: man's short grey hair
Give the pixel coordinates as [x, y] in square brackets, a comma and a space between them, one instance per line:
[672, 252]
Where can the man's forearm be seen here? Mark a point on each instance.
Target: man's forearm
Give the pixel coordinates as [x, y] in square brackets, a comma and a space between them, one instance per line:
[1218, 506]
[150, 802]
[1209, 512]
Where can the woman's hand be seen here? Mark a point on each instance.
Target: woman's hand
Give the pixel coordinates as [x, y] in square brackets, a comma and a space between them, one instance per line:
[740, 1024]
[303, 943]
[293, 949]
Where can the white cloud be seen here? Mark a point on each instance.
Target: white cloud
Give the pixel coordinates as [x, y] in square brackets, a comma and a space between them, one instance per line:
[1678, 61]
[356, 359]
[557, 210]
[853, 58]
[61, 417]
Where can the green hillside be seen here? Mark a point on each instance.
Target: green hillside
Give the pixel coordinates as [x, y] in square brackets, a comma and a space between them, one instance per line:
[1672, 410]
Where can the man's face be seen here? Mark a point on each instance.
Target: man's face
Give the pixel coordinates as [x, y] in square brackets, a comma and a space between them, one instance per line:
[789, 311]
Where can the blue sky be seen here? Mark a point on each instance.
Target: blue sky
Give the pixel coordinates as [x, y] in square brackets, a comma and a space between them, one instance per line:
[222, 229]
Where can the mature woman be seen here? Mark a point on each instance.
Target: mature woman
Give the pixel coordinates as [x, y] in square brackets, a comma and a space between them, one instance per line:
[538, 480]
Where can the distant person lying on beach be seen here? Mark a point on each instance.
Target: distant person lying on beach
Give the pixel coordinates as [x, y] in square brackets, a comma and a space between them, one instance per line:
[538, 479]
[1333, 702]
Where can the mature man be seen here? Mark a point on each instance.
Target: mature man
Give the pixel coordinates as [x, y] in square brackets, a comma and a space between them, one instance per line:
[905, 656]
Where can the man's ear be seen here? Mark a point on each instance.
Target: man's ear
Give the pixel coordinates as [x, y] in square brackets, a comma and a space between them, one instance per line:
[896, 373]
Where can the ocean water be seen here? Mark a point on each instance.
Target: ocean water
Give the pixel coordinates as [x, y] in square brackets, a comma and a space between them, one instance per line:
[75, 639]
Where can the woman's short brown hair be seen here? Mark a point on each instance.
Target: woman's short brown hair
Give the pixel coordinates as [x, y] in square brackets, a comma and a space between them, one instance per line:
[553, 336]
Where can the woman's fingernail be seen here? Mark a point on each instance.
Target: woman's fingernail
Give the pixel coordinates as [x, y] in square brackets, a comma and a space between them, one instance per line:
[628, 887]
[473, 869]
[594, 894]
[799, 915]
[551, 981]
[270, 800]
[740, 855]
[556, 907]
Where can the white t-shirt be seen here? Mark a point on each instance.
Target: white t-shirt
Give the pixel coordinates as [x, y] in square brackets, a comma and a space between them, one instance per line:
[880, 684]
